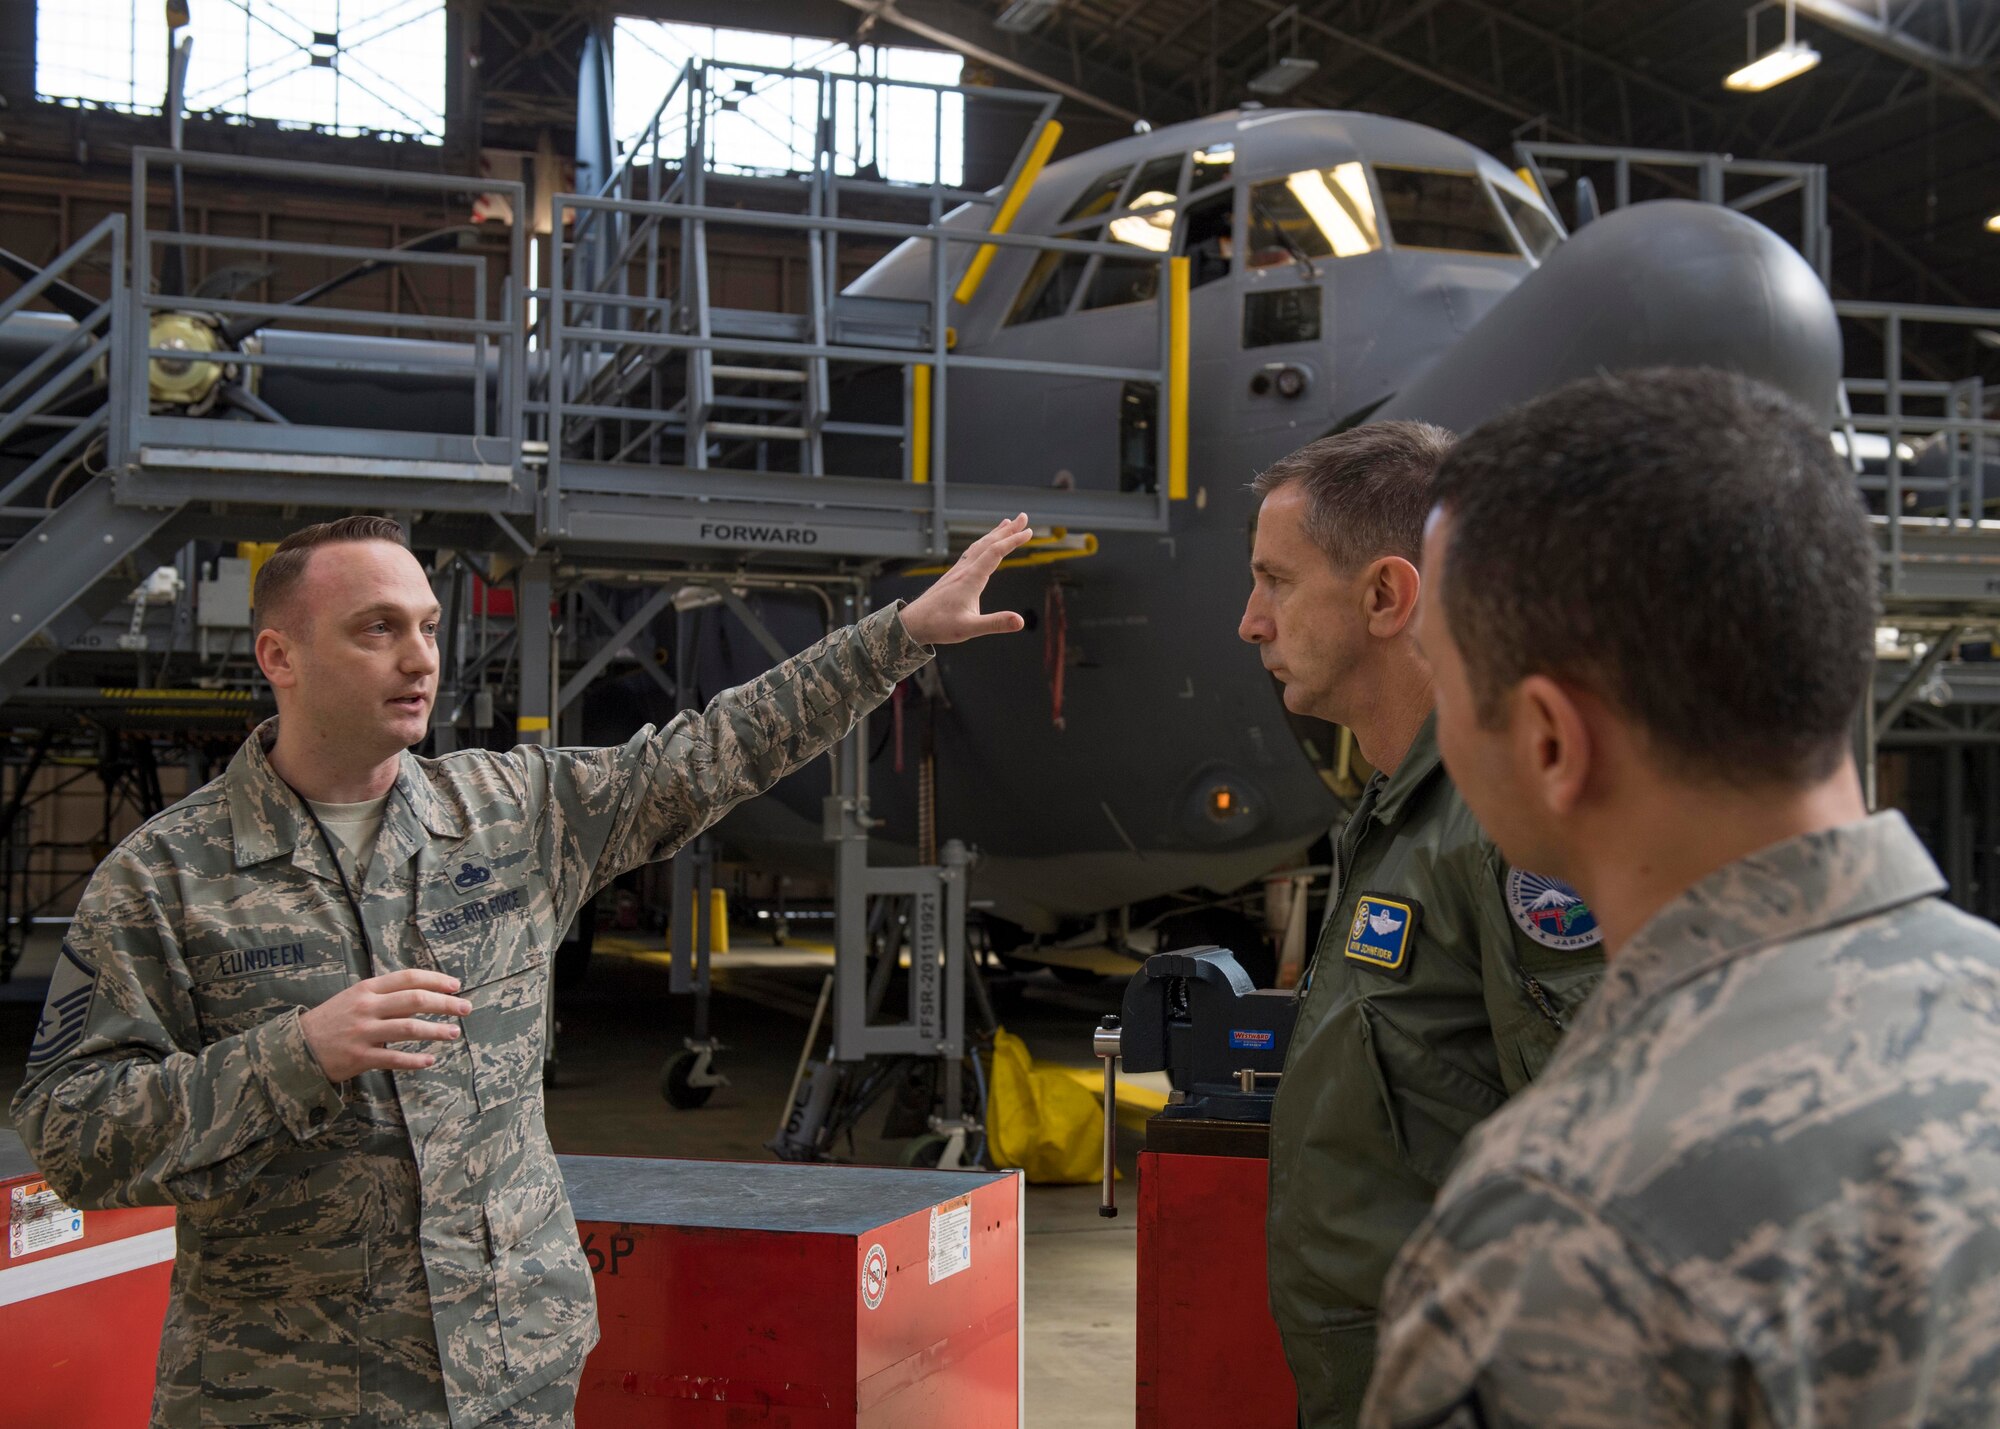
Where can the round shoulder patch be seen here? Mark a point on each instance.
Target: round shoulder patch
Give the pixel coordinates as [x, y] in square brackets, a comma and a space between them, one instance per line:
[1550, 912]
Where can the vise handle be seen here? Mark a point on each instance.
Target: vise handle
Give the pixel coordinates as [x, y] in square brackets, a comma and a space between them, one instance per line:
[1105, 1043]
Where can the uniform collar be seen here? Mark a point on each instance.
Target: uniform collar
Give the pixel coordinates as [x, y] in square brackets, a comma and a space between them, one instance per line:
[268, 818]
[1419, 764]
[1790, 890]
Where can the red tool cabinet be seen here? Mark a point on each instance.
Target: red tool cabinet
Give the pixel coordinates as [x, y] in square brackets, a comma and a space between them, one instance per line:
[82, 1297]
[1208, 1352]
[734, 1293]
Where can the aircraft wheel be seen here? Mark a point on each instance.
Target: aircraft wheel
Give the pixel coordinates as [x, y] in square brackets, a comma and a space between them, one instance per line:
[675, 1087]
[925, 1151]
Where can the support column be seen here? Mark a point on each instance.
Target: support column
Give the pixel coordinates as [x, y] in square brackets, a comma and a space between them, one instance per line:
[536, 711]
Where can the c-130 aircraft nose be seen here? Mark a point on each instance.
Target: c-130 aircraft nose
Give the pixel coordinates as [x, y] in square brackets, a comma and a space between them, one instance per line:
[1663, 284]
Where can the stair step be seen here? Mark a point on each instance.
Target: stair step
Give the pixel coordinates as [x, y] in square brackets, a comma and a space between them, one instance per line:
[755, 430]
[725, 371]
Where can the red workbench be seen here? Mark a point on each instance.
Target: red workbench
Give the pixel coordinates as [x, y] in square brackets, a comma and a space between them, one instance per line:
[1209, 1352]
[735, 1293]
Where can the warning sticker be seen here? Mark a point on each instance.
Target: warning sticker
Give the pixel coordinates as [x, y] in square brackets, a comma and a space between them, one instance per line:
[37, 1219]
[874, 1276]
[951, 1238]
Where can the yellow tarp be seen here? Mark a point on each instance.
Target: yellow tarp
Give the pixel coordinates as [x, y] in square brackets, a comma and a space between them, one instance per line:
[1042, 1119]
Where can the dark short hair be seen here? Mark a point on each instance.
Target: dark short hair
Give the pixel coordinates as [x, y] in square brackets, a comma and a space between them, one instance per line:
[1367, 489]
[278, 578]
[1685, 545]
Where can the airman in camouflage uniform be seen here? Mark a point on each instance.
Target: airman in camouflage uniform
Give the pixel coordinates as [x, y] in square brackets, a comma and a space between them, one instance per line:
[1759, 1183]
[393, 1248]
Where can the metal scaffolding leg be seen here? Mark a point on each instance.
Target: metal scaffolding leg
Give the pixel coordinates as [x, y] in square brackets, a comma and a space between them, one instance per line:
[878, 914]
[532, 725]
[689, 1077]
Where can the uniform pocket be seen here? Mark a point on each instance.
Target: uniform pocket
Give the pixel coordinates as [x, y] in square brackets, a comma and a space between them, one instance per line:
[281, 1343]
[540, 1281]
[1431, 1105]
[488, 942]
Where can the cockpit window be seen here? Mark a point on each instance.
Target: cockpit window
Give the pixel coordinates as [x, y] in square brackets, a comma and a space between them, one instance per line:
[1098, 197]
[1052, 282]
[1311, 214]
[1210, 166]
[1434, 208]
[1534, 226]
[1158, 181]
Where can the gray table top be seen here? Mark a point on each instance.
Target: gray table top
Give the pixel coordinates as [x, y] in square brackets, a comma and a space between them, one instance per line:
[753, 1195]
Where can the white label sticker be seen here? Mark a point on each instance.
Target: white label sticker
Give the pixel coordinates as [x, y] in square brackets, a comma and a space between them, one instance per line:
[951, 1238]
[37, 1219]
[874, 1277]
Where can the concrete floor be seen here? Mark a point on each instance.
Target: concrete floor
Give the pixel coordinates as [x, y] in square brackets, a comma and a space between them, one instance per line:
[617, 1029]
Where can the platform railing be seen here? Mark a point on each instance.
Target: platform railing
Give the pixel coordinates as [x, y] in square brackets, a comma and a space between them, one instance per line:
[485, 352]
[1934, 464]
[27, 398]
[584, 326]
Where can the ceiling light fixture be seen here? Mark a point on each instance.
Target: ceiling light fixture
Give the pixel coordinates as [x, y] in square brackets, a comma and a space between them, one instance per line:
[1993, 224]
[1282, 76]
[1788, 61]
[1024, 17]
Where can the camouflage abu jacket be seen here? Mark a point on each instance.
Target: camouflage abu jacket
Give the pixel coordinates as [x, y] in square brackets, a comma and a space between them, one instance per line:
[1440, 986]
[400, 1244]
[1758, 1185]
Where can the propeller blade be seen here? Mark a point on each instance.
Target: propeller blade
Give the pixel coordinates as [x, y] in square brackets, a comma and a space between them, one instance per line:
[173, 262]
[73, 302]
[244, 400]
[228, 282]
[241, 328]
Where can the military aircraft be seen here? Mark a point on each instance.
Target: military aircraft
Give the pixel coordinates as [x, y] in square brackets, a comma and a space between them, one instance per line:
[1128, 769]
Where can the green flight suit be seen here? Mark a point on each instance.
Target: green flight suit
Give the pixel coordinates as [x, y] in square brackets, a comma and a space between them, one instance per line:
[1411, 1030]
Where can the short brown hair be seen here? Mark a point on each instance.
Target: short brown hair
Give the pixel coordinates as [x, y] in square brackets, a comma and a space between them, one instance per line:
[278, 578]
[1368, 490]
[1686, 545]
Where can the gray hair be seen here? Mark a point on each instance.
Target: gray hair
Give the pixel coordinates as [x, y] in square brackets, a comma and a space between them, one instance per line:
[1367, 489]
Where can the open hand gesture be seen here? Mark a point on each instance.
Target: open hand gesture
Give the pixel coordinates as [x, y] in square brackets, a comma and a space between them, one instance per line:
[948, 612]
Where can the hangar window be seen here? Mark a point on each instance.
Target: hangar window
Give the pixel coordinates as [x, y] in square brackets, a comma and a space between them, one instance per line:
[355, 67]
[1537, 230]
[1313, 213]
[1433, 208]
[770, 124]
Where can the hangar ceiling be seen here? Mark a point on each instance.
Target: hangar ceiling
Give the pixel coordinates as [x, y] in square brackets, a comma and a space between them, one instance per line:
[1904, 108]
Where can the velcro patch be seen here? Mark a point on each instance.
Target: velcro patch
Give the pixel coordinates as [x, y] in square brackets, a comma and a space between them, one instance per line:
[477, 912]
[256, 962]
[67, 1011]
[1383, 932]
[1550, 912]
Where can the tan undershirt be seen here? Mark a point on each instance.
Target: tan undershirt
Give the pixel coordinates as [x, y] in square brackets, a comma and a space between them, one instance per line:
[353, 829]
